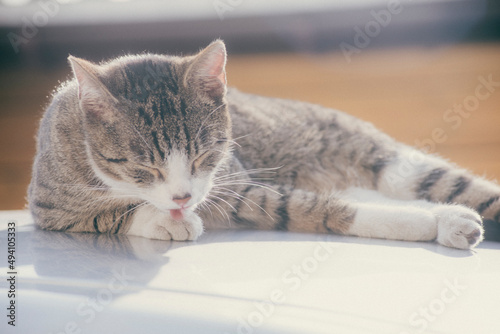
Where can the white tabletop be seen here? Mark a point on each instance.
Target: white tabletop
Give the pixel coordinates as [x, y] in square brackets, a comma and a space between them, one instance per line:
[245, 282]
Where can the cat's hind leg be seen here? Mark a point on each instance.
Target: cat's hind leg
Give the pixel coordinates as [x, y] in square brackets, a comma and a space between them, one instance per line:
[381, 217]
[357, 212]
[243, 202]
[415, 175]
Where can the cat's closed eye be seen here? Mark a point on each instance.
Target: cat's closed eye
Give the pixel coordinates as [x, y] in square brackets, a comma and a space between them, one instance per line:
[143, 176]
[112, 159]
[207, 159]
[117, 160]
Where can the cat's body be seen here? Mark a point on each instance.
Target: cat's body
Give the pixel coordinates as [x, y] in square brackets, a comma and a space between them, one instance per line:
[143, 145]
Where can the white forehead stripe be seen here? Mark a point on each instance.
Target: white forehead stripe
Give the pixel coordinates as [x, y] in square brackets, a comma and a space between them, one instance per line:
[179, 171]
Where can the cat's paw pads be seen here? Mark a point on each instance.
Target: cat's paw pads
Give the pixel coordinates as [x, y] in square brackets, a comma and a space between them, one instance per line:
[458, 226]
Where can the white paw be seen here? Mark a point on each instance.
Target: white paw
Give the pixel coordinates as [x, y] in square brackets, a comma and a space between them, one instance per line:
[458, 226]
[188, 229]
[150, 223]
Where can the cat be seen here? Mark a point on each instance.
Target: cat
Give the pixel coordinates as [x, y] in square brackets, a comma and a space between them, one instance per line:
[158, 146]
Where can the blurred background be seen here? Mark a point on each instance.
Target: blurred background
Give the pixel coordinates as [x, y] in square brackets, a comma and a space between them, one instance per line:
[426, 72]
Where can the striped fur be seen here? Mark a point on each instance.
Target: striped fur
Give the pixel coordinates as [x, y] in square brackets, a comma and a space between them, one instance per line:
[144, 145]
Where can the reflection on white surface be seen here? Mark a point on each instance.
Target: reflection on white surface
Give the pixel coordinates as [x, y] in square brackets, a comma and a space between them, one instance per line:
[250, 282]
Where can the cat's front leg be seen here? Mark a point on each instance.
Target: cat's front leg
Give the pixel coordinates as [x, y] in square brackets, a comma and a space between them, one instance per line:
[149, 222]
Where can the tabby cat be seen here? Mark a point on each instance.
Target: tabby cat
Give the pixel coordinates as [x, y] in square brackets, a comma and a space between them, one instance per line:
[157, 146]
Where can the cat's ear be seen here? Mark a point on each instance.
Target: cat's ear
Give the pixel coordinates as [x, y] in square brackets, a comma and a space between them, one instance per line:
[207, 70]
[93, 96]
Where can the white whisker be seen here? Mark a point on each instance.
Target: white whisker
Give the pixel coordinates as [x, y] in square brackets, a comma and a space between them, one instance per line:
[244, 199]
[144, 140]
[250, 183]
[235, 195]
[204, 205]
[130, 210]
[228, 140]
[203, 123]
[248, 134]
[271, 170]
[219, 208]
[221, 199]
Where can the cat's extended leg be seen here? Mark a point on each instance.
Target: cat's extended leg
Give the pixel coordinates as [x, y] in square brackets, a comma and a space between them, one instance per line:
[414, 175]
[373, 216]
[381, 217]
[359, 212]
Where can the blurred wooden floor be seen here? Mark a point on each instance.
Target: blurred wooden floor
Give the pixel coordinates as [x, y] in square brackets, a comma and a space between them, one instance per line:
[405, 92]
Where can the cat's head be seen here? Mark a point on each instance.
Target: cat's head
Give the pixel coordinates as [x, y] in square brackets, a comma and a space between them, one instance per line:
[157, 127]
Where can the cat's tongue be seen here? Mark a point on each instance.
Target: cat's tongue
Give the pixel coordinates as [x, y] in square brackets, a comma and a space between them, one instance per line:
[177, 214]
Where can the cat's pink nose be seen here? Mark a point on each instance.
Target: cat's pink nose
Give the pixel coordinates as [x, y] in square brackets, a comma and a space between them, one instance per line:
[182, 200]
